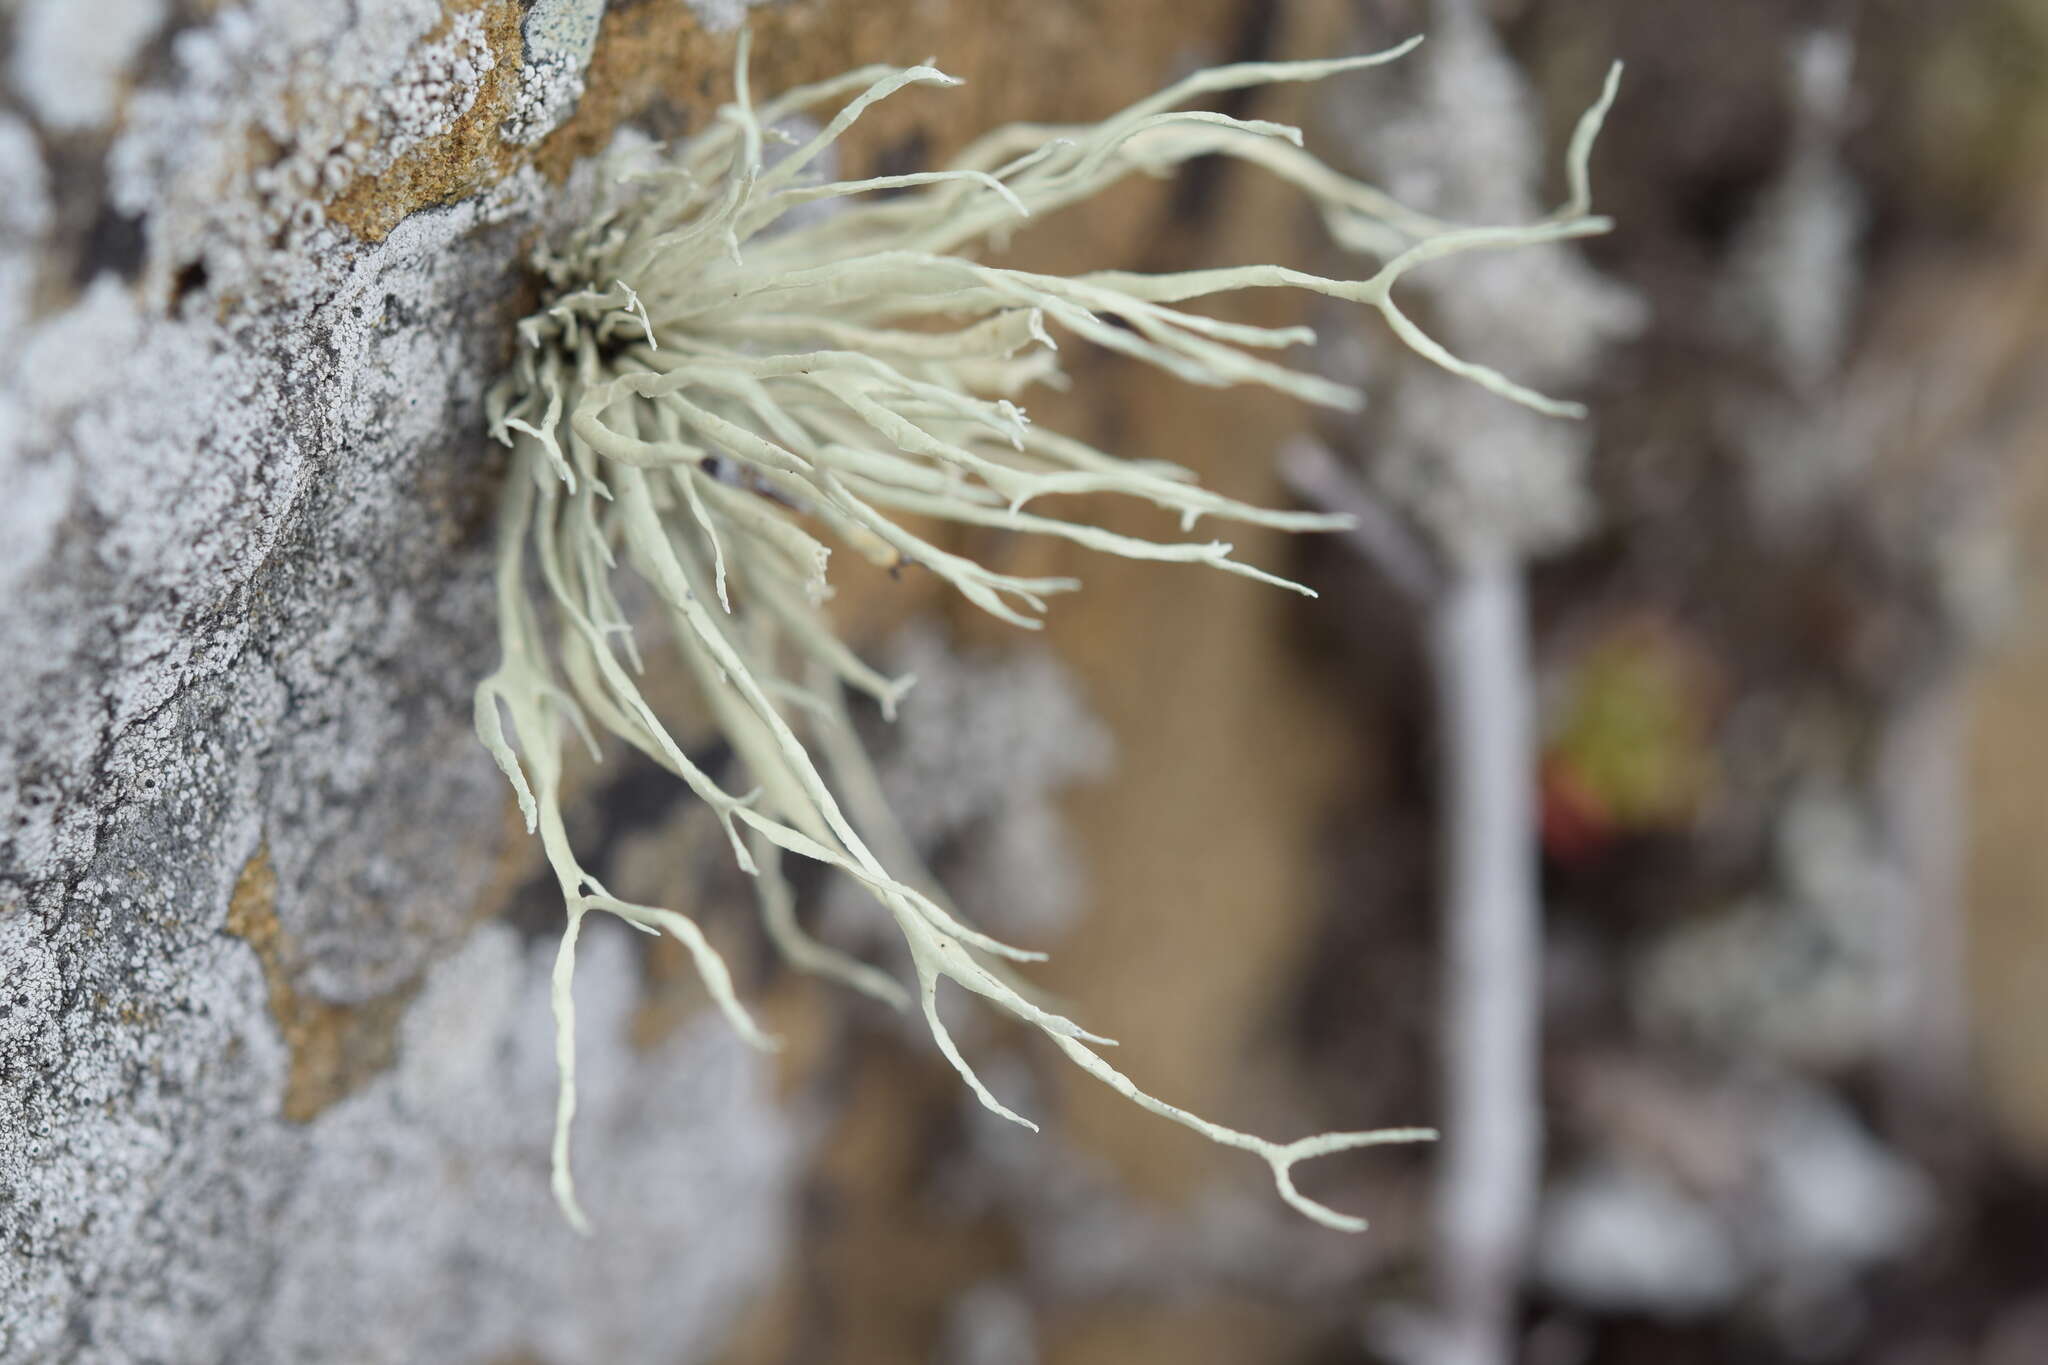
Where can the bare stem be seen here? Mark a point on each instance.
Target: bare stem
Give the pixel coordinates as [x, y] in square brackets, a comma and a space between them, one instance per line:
[1486, 1190]
[1919, 784]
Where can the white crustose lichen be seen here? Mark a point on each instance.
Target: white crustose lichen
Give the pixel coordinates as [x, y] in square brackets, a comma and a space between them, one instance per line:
[713, 385]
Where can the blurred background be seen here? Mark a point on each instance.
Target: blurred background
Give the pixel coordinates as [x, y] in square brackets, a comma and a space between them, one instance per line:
[1785, 760]
[1656, 802]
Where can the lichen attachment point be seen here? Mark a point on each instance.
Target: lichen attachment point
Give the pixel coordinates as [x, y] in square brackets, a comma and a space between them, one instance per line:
[714, 385]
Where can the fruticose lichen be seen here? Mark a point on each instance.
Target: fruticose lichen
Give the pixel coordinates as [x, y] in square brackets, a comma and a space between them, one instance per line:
[712, 380]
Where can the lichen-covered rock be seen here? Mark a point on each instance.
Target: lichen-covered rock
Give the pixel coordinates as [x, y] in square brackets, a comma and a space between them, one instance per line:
[267, 1091]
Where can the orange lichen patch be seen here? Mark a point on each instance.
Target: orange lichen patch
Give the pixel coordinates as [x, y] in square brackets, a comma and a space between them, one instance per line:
[656, 55]
[1045, 60]
[335, 1049]
[657, 59]
[469, 157]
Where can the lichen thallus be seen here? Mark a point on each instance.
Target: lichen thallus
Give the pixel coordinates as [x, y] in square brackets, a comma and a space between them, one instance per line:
[713, 384]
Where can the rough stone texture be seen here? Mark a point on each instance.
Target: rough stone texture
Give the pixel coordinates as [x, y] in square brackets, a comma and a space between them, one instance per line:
[266, 1093]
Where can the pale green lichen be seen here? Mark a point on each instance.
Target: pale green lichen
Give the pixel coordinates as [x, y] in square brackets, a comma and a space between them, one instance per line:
[710, 382]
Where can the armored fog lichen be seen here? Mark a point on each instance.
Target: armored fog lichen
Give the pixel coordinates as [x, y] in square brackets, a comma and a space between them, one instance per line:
[717, 385]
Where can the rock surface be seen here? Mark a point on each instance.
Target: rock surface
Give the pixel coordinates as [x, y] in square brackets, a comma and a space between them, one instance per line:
[267, 1092]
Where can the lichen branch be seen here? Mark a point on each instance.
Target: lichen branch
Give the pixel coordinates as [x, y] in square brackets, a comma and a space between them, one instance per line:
[712, 394]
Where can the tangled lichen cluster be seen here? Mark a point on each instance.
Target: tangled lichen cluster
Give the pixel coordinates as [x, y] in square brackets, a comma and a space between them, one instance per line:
[717, 382]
